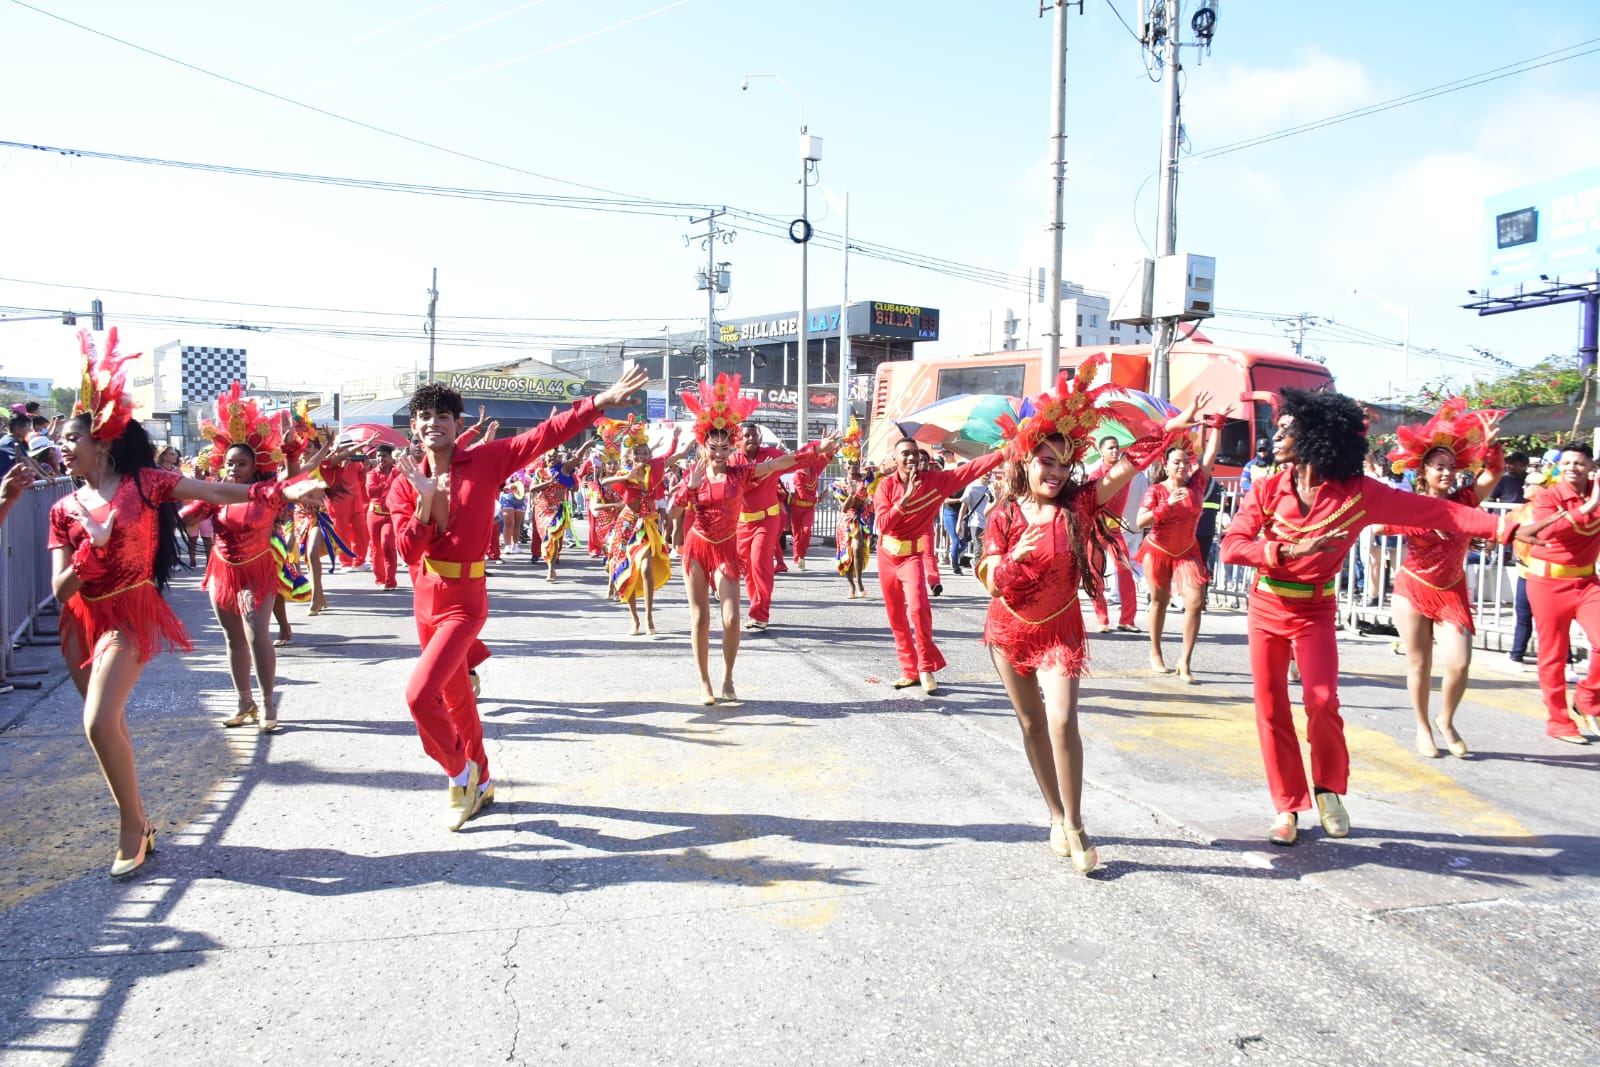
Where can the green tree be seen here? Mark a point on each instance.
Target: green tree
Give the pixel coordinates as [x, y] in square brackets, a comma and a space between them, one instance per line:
[61, 400]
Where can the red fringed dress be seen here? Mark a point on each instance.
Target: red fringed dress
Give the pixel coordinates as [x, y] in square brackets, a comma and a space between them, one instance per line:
[1434, 575]
[1034, 620]
[119, 590]
[242, 558]
[638, 532]
[713, 510]
[1169, 552]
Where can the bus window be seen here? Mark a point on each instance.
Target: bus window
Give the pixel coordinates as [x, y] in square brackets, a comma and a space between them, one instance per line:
[1004, 380]
[1235, 449]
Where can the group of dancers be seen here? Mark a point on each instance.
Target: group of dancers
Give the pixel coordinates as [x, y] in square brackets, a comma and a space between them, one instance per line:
[1048, 536]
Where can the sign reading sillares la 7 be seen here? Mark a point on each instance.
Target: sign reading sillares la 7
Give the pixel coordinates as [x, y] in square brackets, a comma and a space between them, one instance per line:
[909, 322]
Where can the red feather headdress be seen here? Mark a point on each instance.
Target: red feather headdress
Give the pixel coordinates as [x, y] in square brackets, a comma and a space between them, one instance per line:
[850, 444]
[1071, 411]
[241, 422]
[103, 396]
[719, 407]
[1464, 433]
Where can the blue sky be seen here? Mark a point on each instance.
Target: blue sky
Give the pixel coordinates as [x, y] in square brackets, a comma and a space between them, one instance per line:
[935, 119]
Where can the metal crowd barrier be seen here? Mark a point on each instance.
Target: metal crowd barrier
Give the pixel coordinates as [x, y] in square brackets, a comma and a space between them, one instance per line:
[25, 578]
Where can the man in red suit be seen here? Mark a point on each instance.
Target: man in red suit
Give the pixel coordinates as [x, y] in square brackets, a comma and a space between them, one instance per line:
[906, 503]
[1562, 588]
[380, 526]
[1127, 590]
[760, 523]
[443, 511]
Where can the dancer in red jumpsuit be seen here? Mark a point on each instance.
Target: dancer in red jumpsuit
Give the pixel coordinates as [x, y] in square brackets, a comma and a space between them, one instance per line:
[1562, 589]
[710, 498]
[242, 571]
[443, 512]
[1295, 527]
[347, 502]
[380, 524]
[1430, 590]
[1127, 590]
[1036, 554]
[1173, 563]
[760, 523]
[113, 548]
[905, 505]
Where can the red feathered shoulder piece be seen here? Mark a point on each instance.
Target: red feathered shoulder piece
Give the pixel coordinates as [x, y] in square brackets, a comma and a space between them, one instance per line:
[719, 407]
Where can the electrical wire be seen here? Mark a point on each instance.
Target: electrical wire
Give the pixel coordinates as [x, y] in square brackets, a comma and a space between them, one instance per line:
[1113, 6]
[1482, 78]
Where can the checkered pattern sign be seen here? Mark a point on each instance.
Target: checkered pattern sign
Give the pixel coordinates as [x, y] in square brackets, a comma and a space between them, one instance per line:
[207, 372]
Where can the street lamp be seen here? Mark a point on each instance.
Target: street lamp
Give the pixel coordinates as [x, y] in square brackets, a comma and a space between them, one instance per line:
[1403, 312]
[800, 234]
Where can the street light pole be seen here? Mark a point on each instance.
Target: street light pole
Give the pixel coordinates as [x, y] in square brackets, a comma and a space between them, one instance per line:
[1167, 211]
[433, 307]
[1051, 362]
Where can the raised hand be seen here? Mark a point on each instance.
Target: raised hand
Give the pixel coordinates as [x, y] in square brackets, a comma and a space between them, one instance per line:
[1189, 418]
[99, 533]
[622, 392]
[1028, 542]
[422, 483]
[303, 491]
[1328, 542]
[14, 484]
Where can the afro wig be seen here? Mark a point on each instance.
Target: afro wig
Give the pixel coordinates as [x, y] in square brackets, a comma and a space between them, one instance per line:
[1329, 433]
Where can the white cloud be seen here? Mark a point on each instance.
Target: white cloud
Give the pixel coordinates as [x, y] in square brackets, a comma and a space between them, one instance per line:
[1242, 101]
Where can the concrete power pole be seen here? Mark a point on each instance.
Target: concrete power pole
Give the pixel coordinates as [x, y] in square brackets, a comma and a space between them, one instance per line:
[1167, 211]
[1051, 362]
[433, 308]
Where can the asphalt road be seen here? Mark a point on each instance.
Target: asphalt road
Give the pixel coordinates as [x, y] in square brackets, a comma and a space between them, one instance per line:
[828, 869]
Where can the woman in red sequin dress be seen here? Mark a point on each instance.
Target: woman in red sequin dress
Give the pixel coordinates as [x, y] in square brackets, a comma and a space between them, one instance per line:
[1036, 555]
[113, 550]
[1430, 589]
[1173, 563]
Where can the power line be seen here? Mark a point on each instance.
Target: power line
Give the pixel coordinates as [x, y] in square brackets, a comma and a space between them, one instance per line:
[1468, 82]
[1112, 4]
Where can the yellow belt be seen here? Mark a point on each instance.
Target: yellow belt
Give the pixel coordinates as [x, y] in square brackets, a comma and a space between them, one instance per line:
[802, 503]
[1296, 590]
[376, 510]
[1546, 569]
[757, 516]
[896, 547]
[445, 568]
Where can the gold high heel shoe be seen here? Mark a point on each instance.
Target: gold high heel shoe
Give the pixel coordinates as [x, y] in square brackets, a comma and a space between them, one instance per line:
[249, 714]
[1457, 747]
[269, 721]
[147, 845]
[1058, 839]
[1085, 859]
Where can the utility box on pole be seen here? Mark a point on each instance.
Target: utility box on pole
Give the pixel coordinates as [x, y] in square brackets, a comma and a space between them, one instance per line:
[1132, 305]
[1183, 287]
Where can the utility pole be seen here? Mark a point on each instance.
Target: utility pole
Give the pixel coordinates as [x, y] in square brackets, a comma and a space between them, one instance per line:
[810, 152]
[433, 309]
[1051, 363]
[844, 324]
[713, 281]
[1167, 210]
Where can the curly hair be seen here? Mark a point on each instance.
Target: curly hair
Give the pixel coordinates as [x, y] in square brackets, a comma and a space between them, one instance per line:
[436, 397]
[1329, 434]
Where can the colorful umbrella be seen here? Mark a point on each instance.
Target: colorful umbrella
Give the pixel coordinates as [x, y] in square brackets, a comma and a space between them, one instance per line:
[1128, 416]
[965, 424]
[368, 434]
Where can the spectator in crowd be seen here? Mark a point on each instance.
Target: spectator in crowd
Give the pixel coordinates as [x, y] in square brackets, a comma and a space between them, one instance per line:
[1510, 488]
[973, 517]
[14, 445]
[12, 486]
[45, 456]
[1257, 468]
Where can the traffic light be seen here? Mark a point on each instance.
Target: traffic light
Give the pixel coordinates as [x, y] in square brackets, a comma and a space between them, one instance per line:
[69, 318]
[97, 317]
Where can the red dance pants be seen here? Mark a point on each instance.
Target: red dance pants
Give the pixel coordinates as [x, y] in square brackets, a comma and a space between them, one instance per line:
[1127, 590]
[450, 613]
[930, 562]
[1556, 604]
[903, 582]
[758, 555]
[801, 520]
[351, 526]
[380, 535]
[1303, 631]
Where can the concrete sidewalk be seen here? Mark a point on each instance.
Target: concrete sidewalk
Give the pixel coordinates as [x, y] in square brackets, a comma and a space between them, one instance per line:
[828, 869]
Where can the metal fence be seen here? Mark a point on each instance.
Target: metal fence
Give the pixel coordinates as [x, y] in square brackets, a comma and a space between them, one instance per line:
[25, 577]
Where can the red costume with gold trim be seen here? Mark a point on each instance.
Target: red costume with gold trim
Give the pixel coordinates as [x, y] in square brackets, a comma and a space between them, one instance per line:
[380, 526]
[1562, 589]
[1033, 619]
[1293, 610]
[1169, 552]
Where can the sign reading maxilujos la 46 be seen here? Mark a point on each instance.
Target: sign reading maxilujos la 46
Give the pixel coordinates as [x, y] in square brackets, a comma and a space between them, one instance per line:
[1551, 229]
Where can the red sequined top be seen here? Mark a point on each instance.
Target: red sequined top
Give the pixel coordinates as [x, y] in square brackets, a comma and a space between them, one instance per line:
[641, 498]
[243, 531]
[716, 503]
[129, 554]
[1438, 557]
[1172, 528]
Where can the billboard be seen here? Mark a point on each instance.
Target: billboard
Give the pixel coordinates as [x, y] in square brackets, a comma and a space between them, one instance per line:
[1544, 231]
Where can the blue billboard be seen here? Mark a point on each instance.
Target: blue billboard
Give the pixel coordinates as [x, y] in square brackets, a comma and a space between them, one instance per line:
[1544, 231]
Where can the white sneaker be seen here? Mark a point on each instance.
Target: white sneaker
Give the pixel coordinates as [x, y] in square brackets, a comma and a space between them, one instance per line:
[362, 567]
[1574, 676]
